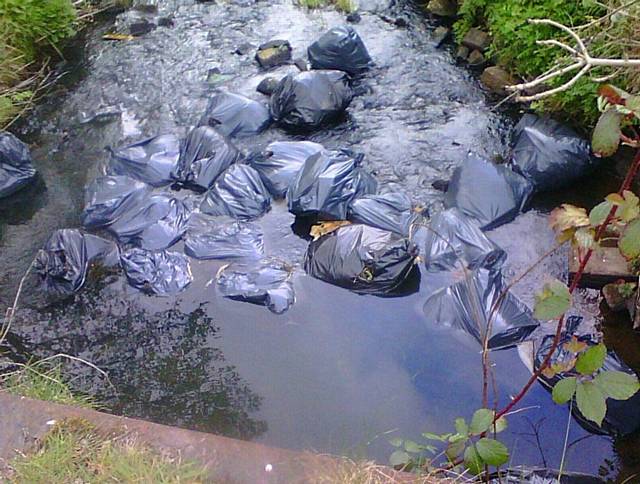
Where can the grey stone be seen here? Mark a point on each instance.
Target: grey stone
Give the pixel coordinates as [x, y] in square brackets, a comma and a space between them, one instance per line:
[462, 53]
[443, 8]
[143, 27]
[267, 85]
[476, 59]
[401, 22]
[244, 48]
[274, 53]
[440, 34]
[354, 18]
[496, 79]
[615, 300]
[301, 64]
[476, 39]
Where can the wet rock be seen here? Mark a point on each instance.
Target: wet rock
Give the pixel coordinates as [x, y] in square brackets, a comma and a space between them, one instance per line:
[141, 28]
[354, 18]
[476, 39]
[301, 64]
[244, 48]
[401, 22]
[496, 79]
[166, 21]
[274, 53]
[215, 76]
[462, 53]
[441, 185]
[267, 86]
[614, 298]
[476, 59]
[146, 6]
[443, 8]
[440, 35]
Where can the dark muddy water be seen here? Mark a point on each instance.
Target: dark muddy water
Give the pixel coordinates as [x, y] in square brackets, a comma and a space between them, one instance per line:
[338, 372]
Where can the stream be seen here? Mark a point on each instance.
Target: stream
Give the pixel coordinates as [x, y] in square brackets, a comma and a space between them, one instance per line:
[339, 372]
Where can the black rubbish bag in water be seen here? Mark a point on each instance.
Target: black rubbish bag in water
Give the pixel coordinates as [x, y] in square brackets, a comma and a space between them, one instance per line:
[267, 283]
[16, 169]
[489, 193]
[156, 272]
[340, 48]
[327, 185]
[238, 193]
[549, 154]
[391, 211]
[63, 262]
[310, 99]
[454, 241]
[157, 222]
[364, 259]
[281, 161]
[527, 475]
[152, 160]
[463, 299]
[236, 116]
[107, 198]
[223, 238]
[204, 155]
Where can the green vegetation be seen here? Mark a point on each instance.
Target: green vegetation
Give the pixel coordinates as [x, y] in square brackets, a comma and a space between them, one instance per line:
[341, 5]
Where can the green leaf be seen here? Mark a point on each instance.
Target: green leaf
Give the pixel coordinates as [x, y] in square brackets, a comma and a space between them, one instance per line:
[399, 458]
[591, 360]
[430, 436]
[396, 442]
[461, 426]
[606, 135]
[454, 449]
[412, 447]
[492, 452]
[629, 243]
[584, 237]
[500, 425]
[599, 213]
[473, 461]
[617, 384]
[553, 302]
[481, 421]
[564, 390]
[630, 209]
[591, 401]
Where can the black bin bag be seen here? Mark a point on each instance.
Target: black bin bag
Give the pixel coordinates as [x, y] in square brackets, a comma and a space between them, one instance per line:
[463, 300]
[453, 241]
[327, 185]
[308, 100]
[157, 222]
[204, 155]
[489, 193]
[238, 193]
[223, 238]
[107, 198]
[281, 161]
[364, 259]
[16, 169]
[160, 272]
[549, 154]
[340, 48]
[267, 283]
[527, 475]
[152, 160]
[391, 211]
[63, 262]
[235, 115]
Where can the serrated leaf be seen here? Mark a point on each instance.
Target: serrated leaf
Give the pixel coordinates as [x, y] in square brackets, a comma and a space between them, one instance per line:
[396, 442]
[614, 199]
[412, 447]
[399, 458]
[629, 209]
[591, 401]
[606, 135]
[461, 426]
[454, 449]
[591, 360]
[567, 217]
[633, 104]
[481, 421]
[599, 213]
[629, 243]
[574, 345]
[553, 302]
[473, 461]
[585, 238]
[564, 390]
[617, 384]
[492, 452]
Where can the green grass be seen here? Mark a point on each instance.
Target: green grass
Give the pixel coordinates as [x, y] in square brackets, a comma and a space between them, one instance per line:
[346, 6]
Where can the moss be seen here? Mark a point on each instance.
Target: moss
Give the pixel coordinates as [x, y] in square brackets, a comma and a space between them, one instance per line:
[346, 6]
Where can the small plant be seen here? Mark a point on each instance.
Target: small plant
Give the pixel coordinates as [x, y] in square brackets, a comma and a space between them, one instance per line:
[346, 6]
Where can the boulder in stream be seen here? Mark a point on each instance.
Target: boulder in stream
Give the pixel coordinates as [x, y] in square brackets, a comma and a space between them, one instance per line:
[274, 53]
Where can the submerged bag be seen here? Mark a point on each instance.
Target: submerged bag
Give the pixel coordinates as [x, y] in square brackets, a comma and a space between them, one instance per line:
[327, 184]
[392, 211]
[363, 259]
[281, 161]
[236, 116]
[310, 99]
[157, 272]
[549, 154]
[489, 193]
[238, 193]
[223, 238]
[16, 169]
[342, 49]
[204, 155]
[110, 197]
[152, 160]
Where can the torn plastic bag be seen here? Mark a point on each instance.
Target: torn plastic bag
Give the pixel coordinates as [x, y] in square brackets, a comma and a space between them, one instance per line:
[238, 193]
[204, 155]
[281, 161]
[223, 238]
[489, 193]
[392, 211]
[549, 154]
[64, 260]
[152, 160]
[157, 222]
[16, 169]
[463, 299]
[340, 48]
[310, 99]
[236, 116]
[327, 184]
[623, 416]
[527, 475]
[267, 283]
[363, 259]
[109, 197]
[454, 241]
[156, 272]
